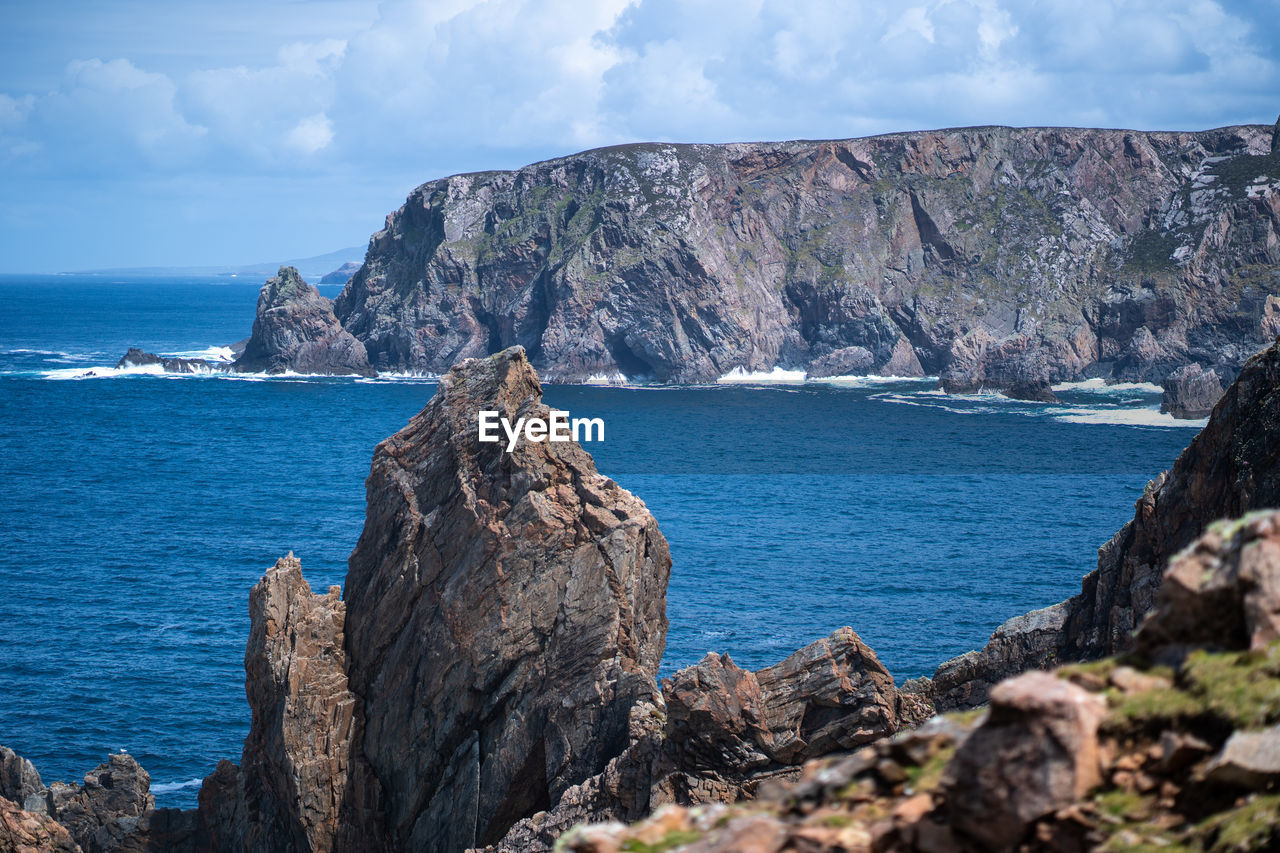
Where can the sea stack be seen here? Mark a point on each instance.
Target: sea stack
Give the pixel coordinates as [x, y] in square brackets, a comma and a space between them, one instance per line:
[295, 330]
[506, 611]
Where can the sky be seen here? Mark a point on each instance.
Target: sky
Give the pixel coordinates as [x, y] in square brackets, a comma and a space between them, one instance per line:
[166, 133]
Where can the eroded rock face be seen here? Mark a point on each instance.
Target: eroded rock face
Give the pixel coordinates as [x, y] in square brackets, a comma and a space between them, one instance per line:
[294, 771]
[727, 728]
[24, 831]
[295, 330]
[104, 811]
[1042, 252]
[1191, 392]
[505, 614]
[847, 361]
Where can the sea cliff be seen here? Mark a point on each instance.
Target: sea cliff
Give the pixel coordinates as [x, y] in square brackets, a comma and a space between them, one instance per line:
[993, 257]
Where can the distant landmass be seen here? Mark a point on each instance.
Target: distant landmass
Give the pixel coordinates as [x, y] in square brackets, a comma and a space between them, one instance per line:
[312, 268]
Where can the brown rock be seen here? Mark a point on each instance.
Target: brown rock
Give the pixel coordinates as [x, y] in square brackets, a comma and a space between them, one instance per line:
[294, 779]
[1223, 592]
[505, 613]
[32, 832]
[728, 725]
[1037, 752]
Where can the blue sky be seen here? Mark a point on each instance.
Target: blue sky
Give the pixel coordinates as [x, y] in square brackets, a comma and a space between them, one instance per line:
[189, 133]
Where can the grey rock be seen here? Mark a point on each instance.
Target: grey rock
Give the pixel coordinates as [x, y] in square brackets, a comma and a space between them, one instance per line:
[20, 783]
[295, 330]
[1247, 760]
[1191, 392]
[847, 361]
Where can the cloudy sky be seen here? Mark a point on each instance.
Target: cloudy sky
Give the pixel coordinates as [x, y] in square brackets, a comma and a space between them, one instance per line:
[143, 132]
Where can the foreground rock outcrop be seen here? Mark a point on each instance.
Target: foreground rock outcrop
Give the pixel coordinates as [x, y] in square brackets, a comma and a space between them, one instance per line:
[994, 257]
[506, 611]
[295, 330]
[1231, 467]
[1120, 754]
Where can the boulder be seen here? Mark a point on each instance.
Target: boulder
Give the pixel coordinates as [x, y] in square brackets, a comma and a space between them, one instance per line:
[1191, 392]
[1221, 593]
[848, 361]
[1249, 760]
[295, 330]
[1036, 752]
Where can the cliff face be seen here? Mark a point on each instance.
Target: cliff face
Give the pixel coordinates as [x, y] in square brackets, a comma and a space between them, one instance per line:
[1232, 466]
[992, 256]
[295, 330]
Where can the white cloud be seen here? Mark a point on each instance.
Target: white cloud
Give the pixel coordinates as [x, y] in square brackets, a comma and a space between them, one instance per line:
[311, 134]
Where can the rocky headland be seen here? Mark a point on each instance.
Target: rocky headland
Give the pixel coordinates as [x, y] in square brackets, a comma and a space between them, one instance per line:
[996, 258]
[341, 275]
[488, 681]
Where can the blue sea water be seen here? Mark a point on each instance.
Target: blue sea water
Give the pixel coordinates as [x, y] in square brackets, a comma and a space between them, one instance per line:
[138, 510]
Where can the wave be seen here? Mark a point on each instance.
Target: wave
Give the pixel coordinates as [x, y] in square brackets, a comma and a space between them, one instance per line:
[170, 787]
[218, 354]
[1101, 386]
[104, 372]
[857, 381]
[778, 374]
[25, 351]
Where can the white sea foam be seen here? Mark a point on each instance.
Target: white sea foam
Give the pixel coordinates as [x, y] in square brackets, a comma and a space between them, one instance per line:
[220, 354]
[170, 787]
[778, 374]
[25, 351]
[854, 381]
[105, 372]
[615, 378]
[1100, 386]
[1146, 417]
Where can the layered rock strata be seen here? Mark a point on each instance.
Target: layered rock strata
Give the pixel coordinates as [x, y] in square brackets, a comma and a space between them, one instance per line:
[994, 257]
[295, 330]
[1231, 467]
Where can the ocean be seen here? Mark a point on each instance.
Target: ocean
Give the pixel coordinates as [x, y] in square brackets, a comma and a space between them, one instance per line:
[139, 509]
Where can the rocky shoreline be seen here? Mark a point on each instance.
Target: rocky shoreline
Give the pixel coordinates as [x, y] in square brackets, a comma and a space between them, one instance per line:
[488, 679]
